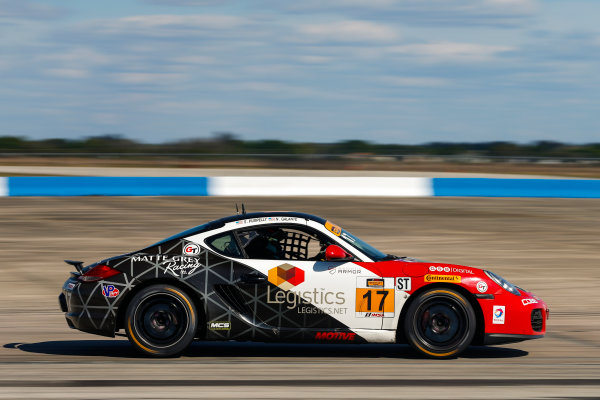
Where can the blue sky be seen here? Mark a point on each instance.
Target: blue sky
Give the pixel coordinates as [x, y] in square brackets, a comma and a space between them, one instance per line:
[388, 71]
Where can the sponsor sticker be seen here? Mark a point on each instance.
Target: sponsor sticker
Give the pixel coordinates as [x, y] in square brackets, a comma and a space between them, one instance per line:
[348, 237]
[340, 269]
[375, 282]
[181, 266]
[310, 301]
[70, 286]
[191, 249]
[455, 270]
[219, 325]
[442, 278]
[336, 230]
[499, 314]
[286, 276]
[110, 291]
[403, 283]
[482, 287]
[527, 302]
[347, 336]
[374, 302]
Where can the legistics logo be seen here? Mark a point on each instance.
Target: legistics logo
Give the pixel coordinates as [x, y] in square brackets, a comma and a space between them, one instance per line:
[286, 276]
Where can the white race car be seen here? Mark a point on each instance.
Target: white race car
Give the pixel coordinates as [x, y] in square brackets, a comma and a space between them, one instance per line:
[287, 276]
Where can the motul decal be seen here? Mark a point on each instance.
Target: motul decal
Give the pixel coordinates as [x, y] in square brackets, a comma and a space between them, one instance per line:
[348, 336]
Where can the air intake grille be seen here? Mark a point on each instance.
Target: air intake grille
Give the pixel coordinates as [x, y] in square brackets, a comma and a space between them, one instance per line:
[537, 321]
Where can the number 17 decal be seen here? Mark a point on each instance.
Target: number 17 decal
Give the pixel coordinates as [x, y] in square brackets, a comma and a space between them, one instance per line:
[374, 297]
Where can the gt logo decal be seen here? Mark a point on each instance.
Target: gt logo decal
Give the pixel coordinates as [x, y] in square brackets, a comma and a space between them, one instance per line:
[191, 249]
[374, 302]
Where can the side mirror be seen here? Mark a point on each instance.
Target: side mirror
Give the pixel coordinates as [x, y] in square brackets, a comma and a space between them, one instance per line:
[336, 253]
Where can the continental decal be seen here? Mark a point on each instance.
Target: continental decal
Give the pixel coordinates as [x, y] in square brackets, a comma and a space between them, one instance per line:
[442, 278]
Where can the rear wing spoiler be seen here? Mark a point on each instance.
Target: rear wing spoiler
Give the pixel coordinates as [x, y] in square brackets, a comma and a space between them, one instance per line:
[77, 264]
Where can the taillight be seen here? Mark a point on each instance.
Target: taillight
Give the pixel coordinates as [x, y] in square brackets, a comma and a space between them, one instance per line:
[97, 273]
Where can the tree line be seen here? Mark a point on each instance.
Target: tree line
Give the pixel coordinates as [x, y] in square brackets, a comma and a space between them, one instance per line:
[226, 143]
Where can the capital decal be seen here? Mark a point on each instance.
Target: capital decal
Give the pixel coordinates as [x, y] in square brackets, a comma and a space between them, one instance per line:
[286, 276]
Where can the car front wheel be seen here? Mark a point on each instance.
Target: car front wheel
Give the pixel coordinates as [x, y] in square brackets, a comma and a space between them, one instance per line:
[161, 321]
[440, 323]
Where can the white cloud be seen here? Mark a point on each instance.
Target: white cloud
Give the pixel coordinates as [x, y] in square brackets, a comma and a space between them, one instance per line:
[282, 90]
[415, 81]
[166, 25]
[187, 3]
[452, 51]
[312, 59]
[107, 118]
[195, 60]
[196, 106]
[25, 9]
[415, 12]
[203, 20]
[77, 56]
[348, 31]
[510, 6]
[148, 78]
[76, 73]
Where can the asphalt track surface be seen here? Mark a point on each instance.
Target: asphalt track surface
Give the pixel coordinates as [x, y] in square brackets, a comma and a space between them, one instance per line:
[550, 246]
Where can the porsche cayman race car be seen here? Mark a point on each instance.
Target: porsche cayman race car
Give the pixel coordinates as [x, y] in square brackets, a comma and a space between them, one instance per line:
[287, 276]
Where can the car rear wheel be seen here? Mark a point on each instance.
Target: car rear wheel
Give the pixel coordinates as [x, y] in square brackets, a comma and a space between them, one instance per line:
[440, 323]
[161, 321]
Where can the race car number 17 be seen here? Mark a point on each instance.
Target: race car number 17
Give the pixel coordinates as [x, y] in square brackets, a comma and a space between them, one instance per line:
[374, 297]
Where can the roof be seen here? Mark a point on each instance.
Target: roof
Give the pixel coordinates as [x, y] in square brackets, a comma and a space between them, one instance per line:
[218, 223]
[266, 214]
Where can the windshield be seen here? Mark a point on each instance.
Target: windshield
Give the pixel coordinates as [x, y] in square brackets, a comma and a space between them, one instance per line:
[361, 245]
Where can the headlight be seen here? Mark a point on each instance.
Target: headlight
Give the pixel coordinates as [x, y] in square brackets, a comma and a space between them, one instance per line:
[506, 285]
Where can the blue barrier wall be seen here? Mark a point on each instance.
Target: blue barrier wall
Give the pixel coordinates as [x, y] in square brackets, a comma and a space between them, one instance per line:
[492, 187]
[272, 186]
[107, 186]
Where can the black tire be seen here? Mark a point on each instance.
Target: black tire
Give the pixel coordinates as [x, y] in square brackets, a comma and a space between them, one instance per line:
[440, 323]
[161, 321]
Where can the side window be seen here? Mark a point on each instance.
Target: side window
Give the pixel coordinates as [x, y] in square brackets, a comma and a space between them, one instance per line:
[225, 244]
[284, 243]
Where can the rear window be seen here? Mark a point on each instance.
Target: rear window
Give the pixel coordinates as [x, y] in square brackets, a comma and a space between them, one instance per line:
[225, 244]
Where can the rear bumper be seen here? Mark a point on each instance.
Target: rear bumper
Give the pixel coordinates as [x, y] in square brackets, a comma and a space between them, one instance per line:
[93, 315]
[62, 301]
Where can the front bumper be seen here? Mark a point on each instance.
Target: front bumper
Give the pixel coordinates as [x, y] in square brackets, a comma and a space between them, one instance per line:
[504, 338]
[509, 318]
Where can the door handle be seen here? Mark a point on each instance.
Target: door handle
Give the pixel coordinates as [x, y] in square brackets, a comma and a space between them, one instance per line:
[253, 278]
